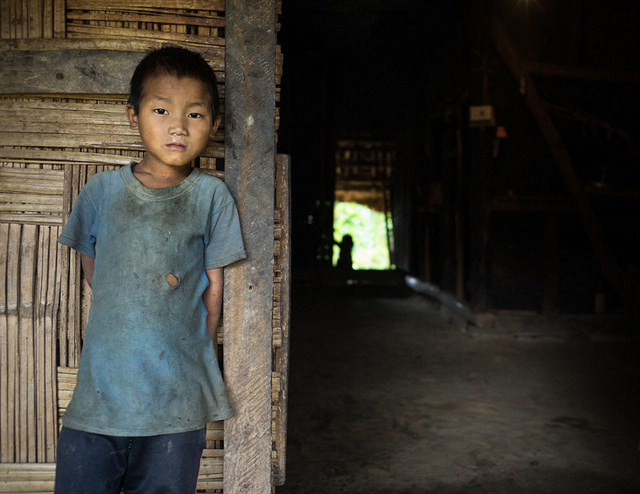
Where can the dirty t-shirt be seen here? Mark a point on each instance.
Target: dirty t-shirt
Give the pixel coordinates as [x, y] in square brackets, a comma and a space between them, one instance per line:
[148, 366]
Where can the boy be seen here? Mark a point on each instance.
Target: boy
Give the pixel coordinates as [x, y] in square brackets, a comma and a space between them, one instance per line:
[154, 237]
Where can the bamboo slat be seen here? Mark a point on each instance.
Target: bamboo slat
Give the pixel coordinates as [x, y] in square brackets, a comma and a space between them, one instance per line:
[5, 397]
[10, 433]
[27, 397]
[59, 18]
[50, 345]
[5, 20]
[73, 328]
[41, 293]
[198, 19]
[57, 156]
[148, 5]
[67, 377]
[47, 19]
[89, 31]
[27, 477]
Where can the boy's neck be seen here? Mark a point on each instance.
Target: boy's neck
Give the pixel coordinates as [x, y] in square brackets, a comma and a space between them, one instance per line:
[157, 177]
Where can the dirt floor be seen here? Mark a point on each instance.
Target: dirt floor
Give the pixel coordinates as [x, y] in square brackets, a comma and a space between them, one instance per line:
[386, 396]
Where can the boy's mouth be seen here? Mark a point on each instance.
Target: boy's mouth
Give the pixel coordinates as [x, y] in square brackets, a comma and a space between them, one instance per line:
[177, 146]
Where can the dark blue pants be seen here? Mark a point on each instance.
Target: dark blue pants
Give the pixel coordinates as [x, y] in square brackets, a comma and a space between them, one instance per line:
[96, 464]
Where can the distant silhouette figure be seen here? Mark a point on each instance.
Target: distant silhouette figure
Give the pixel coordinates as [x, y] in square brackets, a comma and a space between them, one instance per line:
[346, 246]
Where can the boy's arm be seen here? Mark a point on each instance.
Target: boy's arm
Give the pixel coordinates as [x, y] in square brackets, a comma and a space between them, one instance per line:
[87, 267]
[213, 302]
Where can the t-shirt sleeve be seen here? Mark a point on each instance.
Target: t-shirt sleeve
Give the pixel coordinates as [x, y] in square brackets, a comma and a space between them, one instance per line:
[79, 232]
[225, 244]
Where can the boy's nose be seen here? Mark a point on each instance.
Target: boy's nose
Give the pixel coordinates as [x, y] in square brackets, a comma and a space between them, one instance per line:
[178, 126]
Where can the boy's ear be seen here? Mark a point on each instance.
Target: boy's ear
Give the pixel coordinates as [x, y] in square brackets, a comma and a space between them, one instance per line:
[132, 117]
[215, 126]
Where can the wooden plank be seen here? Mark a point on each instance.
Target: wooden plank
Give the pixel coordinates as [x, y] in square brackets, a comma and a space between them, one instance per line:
[250, 174]
[72, 71]
[214, 55]
[582, 73]
[625, 288]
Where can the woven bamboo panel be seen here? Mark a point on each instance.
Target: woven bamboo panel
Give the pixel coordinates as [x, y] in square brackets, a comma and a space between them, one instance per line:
[31, 19]
[31, 195]
[29, 262]
[191, 21]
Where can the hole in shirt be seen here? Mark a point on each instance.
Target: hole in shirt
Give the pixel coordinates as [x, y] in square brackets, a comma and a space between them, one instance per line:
[173, 280]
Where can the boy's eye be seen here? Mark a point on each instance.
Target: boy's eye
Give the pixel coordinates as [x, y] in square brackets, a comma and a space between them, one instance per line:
[161, 111]
[195, 115]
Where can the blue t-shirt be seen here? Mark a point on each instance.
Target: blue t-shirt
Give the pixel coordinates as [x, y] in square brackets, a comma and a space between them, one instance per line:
[148, 366]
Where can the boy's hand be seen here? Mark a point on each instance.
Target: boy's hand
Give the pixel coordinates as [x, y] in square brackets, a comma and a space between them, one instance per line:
[213, 302]
[87, 267]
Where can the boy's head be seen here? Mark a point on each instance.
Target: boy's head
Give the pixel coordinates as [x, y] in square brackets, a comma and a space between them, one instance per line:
[176, 61]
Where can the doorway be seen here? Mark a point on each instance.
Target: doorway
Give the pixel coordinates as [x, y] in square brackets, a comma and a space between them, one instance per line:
[362, 219]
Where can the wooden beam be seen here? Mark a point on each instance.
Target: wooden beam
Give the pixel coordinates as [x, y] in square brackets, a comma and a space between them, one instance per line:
[582, 73]
[213, 54]
[610, 267]
[250, 175]
[67, 71]
[533, 204]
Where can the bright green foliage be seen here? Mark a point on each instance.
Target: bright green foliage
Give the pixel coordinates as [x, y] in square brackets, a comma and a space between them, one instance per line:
[367, 228]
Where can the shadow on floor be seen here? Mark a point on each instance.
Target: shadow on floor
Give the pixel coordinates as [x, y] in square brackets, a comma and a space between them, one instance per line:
[386, 397]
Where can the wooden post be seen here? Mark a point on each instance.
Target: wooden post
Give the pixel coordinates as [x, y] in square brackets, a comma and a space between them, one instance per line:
[250, 175]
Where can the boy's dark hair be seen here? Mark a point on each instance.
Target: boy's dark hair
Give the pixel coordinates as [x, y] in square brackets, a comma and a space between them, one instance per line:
[176, 61]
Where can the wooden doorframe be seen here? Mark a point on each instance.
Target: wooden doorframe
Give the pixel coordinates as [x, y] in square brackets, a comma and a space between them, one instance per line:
[250, 154]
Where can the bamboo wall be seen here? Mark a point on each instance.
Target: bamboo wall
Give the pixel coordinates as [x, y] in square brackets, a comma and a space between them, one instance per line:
[64, 72]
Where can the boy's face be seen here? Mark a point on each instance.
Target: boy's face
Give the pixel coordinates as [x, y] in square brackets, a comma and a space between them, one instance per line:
[174, 120]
